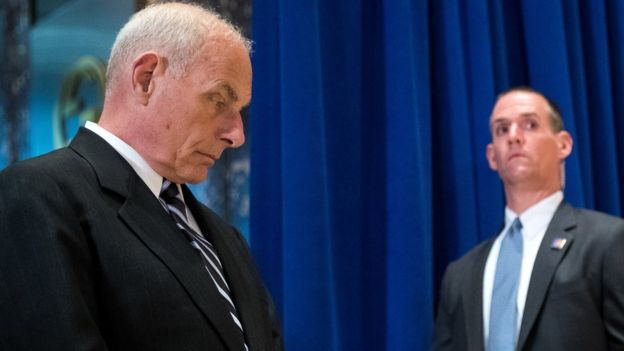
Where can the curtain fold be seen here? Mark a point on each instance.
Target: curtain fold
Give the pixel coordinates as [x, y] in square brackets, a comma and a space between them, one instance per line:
[407, 117]
[368, 129]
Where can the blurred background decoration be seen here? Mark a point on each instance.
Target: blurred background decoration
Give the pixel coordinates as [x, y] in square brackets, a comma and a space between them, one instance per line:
[14, 77]
[73, 107]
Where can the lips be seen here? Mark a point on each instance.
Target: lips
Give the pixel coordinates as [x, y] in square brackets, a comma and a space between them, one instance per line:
[210, 156]
[515, 155]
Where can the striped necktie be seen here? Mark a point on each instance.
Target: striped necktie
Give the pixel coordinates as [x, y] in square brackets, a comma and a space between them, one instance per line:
[171, 199]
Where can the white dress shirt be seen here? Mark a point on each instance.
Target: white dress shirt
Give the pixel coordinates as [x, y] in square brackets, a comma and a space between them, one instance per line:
[152, 179]
[535, 221]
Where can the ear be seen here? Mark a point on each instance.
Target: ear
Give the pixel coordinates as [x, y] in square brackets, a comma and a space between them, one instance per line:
[143, 69]
[490, 156]
[564, 143]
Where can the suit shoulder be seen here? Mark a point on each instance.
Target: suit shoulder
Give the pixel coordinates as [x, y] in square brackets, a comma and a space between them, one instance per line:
[599, 216]
[51, 165]
[52, 178]
[476, 252]
[595, 232]
[461, 269]
[600, 222]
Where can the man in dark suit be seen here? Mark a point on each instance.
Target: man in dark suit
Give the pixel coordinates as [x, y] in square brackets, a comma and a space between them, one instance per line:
[102, 244]
[553, 279]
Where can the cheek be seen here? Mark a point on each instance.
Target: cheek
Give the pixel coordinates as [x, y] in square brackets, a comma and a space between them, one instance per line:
[498, 156]
[196, 138]
[547, 150]
[551, 159]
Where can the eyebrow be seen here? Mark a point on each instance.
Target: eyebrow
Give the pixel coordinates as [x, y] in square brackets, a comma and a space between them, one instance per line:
[497, 120]
[231, 93]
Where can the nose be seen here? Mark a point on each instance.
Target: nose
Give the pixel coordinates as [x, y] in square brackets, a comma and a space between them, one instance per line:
[515, 134]
[234, 134]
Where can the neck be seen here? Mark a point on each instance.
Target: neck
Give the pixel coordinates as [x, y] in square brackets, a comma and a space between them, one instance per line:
[133, 132]
[520, 200]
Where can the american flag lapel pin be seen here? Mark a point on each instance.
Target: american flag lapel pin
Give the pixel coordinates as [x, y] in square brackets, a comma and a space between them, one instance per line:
[558, 243]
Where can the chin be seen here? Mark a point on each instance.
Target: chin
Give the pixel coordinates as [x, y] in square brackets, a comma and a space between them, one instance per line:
[194, 177]
[199, 179]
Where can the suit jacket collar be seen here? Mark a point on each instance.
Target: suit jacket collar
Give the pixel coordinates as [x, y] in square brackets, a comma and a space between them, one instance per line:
[145, 216]
[111, 169]
[561, 226]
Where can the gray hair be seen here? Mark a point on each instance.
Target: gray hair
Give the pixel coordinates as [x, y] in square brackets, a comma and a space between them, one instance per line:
[175, 31]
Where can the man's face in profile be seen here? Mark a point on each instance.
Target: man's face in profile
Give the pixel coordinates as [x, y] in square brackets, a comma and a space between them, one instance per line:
[202, 110]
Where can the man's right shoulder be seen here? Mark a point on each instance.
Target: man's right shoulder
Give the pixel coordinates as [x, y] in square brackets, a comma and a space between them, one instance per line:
[470, 258]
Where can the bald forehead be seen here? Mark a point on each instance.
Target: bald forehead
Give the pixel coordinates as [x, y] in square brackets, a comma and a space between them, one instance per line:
[226, 68]
[524, 97]
[517, 105]
[515, 101]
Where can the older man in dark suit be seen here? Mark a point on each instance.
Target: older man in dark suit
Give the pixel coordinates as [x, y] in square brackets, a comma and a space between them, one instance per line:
[103, 246]
[553, 279]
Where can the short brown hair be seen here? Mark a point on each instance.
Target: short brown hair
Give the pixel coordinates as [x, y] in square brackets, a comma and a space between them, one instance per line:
[556, 122]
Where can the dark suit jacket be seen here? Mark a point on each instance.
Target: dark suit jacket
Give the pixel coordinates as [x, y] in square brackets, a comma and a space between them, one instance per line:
[576, 295]
[90, 260]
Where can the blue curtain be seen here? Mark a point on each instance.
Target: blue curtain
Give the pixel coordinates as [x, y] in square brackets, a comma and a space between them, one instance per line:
[368, 134]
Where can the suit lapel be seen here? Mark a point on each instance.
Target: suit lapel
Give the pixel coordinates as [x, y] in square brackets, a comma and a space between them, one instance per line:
[222, 237]
[153, 226]
[473, 302]
[546, 264]
[145, 216]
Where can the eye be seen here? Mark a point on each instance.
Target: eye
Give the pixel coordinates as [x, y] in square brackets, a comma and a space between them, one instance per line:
[500, 129]
[218, 102]
[530, 124]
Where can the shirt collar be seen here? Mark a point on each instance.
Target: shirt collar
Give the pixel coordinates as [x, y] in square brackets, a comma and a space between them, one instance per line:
[536, 218]
[152, 179]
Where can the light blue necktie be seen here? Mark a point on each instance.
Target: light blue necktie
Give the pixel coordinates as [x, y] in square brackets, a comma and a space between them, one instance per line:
[503, 310]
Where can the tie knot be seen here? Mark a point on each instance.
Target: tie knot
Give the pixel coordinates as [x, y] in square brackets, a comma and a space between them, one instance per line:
[170, 195]
[516, 226]
[168, 190]
[515, 234]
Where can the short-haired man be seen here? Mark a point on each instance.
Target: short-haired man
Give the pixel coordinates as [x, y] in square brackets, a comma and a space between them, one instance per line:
[103, 246]
[553, 278]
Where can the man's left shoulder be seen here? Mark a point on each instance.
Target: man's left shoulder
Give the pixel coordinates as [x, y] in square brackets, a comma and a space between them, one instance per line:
[601, 225]
[598, 219]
